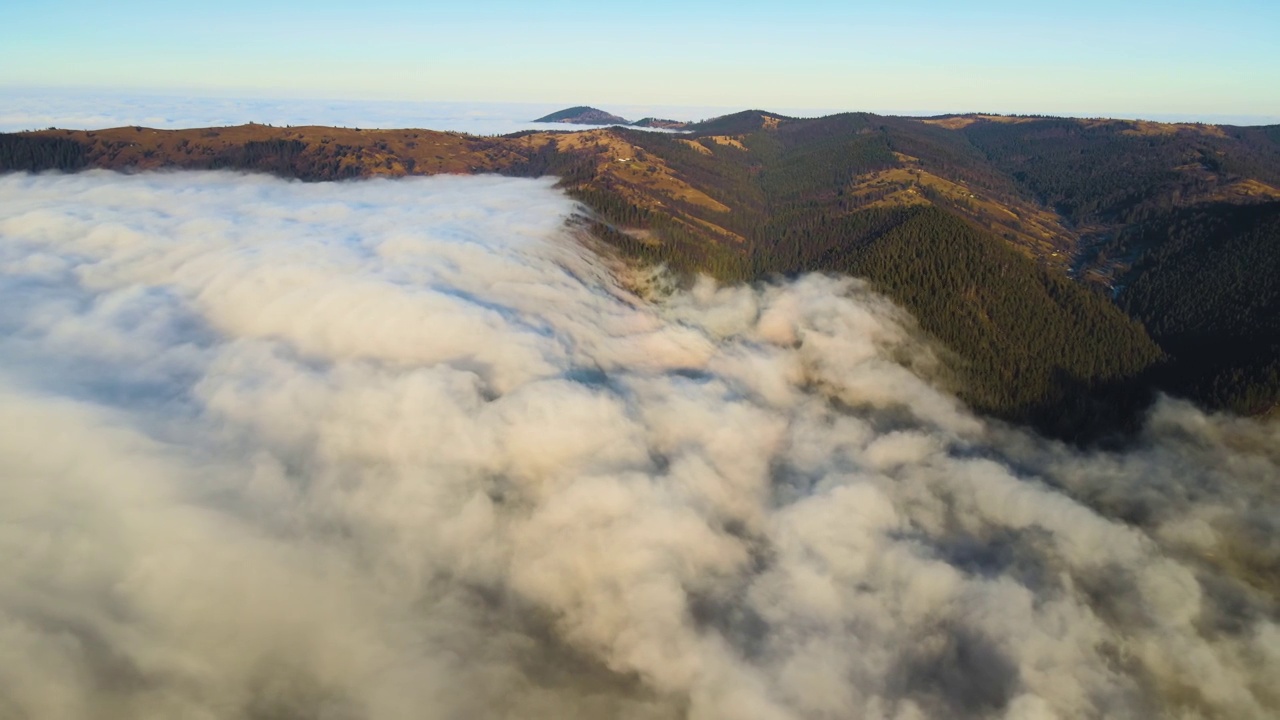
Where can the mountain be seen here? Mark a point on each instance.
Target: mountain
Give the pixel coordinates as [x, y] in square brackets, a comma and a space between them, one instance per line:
[583, 115]
[651, 122]
[1070, 266]
[740, 122]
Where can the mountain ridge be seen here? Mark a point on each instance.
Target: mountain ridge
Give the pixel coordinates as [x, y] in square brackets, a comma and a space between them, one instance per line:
[1052, 203]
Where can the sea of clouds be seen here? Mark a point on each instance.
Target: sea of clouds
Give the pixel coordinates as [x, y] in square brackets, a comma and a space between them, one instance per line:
[36, 109]
[409, 449]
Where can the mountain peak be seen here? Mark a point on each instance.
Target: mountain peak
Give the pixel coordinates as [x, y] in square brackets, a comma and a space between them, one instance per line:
[741, 122]
[583, 115]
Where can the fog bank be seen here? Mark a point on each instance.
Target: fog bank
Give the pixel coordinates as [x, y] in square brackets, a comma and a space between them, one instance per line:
[407, 449]
[37, 109]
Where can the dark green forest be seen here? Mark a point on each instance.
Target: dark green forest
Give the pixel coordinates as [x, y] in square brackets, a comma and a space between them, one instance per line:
[1206, 283]
[32, 154]
[1034, 346]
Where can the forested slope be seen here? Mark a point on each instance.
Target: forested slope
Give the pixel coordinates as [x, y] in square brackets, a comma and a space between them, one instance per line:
[1206, 283]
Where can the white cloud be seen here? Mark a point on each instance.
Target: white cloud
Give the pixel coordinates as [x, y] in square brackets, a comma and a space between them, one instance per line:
[404, 449]
[35, 109]
[28, 109]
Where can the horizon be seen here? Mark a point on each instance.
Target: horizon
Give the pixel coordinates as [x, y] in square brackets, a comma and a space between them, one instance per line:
[40, 108]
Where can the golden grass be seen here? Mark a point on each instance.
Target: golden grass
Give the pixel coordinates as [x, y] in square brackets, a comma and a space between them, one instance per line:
[957, 122]
[1035, 231]
[1246, 190]
[952, 123]
[722, 232]
[727, 140]
[696, 146]
[1148, 128]
[634, 178]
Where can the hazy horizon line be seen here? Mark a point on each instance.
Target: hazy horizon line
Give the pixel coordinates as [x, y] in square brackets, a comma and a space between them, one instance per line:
[639, 109]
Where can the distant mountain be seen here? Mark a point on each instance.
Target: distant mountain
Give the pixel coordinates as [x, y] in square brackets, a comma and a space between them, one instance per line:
[740, 122]
[1071, 266]
[583, 115]
[1205, 281]
[651, 122]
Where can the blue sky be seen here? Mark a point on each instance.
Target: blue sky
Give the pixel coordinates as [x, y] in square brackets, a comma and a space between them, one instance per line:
[1192, 59]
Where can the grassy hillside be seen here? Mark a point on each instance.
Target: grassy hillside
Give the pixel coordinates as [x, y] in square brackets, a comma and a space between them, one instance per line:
[35, 153]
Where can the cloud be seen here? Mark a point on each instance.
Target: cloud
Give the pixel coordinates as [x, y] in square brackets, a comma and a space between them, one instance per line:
[391, 449]
[30, 109]
[36, 109]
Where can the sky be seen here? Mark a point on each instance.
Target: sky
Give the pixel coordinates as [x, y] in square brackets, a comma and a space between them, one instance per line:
[1167, 60]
